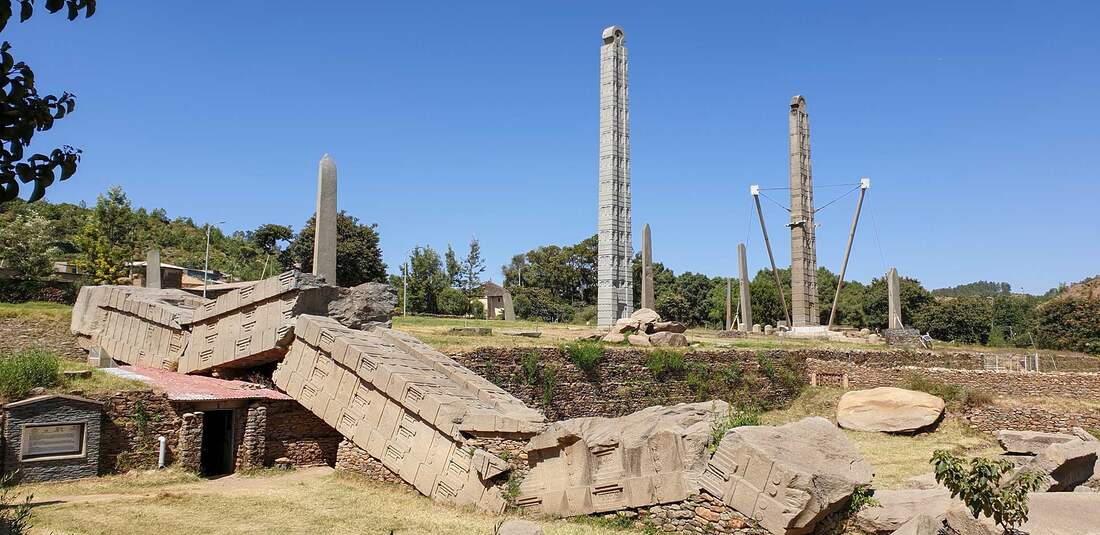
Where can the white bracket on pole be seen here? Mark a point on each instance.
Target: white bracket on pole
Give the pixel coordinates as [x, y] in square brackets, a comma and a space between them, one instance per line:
[754, 190]
[864, 183]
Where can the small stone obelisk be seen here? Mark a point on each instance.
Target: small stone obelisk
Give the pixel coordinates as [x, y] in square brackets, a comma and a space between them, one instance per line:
[803, 248]
[729, 304]
[152, 268]
[746, 297]
[324, 237]
[893, 291]
[648, 301]
[615, 282]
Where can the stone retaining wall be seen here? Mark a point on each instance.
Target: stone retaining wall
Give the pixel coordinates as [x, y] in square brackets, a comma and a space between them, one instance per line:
[995, 417]
[295, 433]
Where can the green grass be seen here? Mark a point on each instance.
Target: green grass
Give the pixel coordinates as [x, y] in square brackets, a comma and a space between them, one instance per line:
[27, 369]
[954, 395]
[584, 354]
[100, 382]
[664, 362]
[35, 309]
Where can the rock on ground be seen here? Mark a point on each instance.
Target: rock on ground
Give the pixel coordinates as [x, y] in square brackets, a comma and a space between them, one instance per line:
[897, 507]
[1049, 513]
[638, 340]
[1065, 465]
[1030, 442]
[645, 315]
[361, 306]
[920, 525]
[595, 465]
[788, 477]
[888, 409]
[519, 527]
[669, 327]
[668, 339]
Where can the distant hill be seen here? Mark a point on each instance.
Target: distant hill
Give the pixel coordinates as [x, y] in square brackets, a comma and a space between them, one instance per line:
[1086, 289]
[975, 289]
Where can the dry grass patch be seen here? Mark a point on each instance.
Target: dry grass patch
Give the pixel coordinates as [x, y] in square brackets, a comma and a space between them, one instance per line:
[36, 310]
[895, 457]
[170, 503]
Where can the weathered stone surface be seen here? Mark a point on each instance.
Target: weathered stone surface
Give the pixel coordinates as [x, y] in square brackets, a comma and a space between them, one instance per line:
[668, 326]
[138, 326]
[519, 527]
[803, 230]
[897, 507]
[645, 315]
[648, 300]
[591, 465]
[627, 325]
[363, 306]
[888, 409]
[668, 339]
[961, 522]
[789, 477]
[1065, 465]
[1049, 513]
[920, 525]
[1083, 435]
[407, 405]
[324, 233]
[638, 340]
[745, 303]
[1030, 442]
[522, 333]
[614, 338]
[615, 282]
[472, 331]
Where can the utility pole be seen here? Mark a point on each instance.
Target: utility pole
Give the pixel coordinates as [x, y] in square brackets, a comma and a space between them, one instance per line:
[405, 293]
[206, 265]
[755, 191]
[864, 184]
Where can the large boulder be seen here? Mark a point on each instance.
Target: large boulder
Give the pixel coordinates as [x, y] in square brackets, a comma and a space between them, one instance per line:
[645, 315]
[519, 527]
[786, 478]
[920, 525]
[595, 465]
[614, 338]
[668, 327]
[1049, 513]
[1030, 442]
[888, 409]
[897, 507]
[1064, 465]
[668, 339]
[638, 340]
[363, 306]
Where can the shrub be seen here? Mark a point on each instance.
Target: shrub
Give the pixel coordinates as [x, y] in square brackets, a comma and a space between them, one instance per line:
[698, 380]
[1069, 323]
[862, 496]
[549, 381]
[453, 302]
[14, 517]
[530, 366]
[585, 315]
[27, 369]
[584, 354]
[954, 395]
[663, 363]
[540, 304]
[978, 483]
[733, 418]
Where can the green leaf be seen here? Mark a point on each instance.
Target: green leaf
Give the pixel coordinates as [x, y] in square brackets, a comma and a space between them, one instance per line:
[25, 10]
[53, 6]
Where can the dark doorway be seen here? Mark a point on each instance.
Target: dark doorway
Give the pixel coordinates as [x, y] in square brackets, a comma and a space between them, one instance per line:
[217, 443]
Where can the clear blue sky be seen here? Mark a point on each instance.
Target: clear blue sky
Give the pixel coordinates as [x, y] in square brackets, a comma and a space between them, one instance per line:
[976, 122]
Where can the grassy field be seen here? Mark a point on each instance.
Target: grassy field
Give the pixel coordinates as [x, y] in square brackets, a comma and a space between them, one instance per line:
[895, 457]
[37, 310]
[313, 500]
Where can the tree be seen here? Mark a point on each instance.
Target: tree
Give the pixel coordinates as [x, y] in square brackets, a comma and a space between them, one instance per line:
[978, 484]
[1069, 322]
[963, 319]
[268, 236]
[24, 245]
[472, 268]
[426, 281]
[358, 256]
[566, 272]
[454, 268]
[453, 302]
[23, 112]
[107, 240]
[535, 303]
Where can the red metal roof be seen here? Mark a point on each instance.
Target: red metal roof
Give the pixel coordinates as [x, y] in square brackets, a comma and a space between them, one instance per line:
[183, 387]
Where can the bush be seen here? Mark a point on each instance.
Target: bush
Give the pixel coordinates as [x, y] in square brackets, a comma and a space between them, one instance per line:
[1069, 323]
[530, 366]
[733, 418]
[698, 380]
[31, 368]
[477, 309]
[584, 354]
[14, 516]
[978, 483]
[540, 304]
[549, 381]
[663, 363]
[586, 315]
[453, 302]
[22, 291]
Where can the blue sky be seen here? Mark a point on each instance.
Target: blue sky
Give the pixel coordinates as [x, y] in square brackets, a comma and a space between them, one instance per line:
[975, 121]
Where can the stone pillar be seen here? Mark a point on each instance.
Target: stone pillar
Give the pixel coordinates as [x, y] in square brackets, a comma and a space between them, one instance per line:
[803, 249]
[324, 237]
[615, 292]
[190, 456]
[893, 291]
[254, 438]
[509, 308]
[729, 304]
[746, 297]
[648, 300]
[152, 268]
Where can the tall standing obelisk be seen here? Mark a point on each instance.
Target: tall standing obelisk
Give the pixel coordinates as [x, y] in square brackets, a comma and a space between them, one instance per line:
[648, 300]
[615, 292]
[324, 237]
[803, 249]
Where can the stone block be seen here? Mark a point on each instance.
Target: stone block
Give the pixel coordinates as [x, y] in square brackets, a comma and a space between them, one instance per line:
[592, 465]
[888, 409]
[1030, 442]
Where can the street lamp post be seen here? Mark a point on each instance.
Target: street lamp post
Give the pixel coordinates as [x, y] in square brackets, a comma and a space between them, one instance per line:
[405, 282]
[206, 264]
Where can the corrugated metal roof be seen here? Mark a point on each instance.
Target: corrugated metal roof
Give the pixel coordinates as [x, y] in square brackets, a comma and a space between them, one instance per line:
[183, 387]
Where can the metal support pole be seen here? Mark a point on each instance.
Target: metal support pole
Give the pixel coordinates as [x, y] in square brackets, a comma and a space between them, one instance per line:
[755, 190]
[405, 293]
[206, 265]
[864, 183]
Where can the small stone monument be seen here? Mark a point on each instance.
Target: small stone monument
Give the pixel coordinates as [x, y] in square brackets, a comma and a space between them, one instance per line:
[152, 268]
[893, 289]
[648, 301]
[324, 237]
